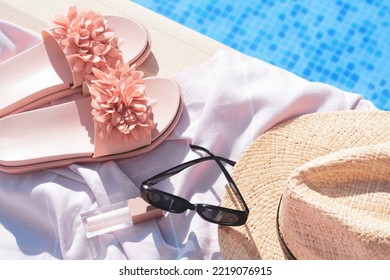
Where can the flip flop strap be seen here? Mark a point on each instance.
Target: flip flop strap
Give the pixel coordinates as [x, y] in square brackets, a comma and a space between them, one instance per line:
[79, 42]
[84, 51]
[122, 111]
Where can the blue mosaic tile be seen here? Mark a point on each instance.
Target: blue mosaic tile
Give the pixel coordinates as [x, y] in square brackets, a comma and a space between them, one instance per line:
[339, 42]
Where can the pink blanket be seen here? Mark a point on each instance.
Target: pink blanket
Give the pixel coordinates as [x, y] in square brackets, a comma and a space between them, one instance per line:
[229, 101]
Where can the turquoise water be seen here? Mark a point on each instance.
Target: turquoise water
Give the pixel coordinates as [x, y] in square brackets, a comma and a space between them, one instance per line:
[342, 43]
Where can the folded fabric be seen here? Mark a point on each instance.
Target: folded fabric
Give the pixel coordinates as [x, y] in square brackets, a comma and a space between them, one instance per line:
[229, 101]
[14, 39]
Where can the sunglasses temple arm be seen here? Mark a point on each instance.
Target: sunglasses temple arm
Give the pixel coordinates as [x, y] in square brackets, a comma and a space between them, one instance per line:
[232, 183]
[225, 172]
[168, 173]
[177, 169]
[228, 161]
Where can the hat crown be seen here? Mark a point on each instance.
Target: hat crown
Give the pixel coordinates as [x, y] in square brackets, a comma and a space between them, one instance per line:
[262, 173]
[338, 206]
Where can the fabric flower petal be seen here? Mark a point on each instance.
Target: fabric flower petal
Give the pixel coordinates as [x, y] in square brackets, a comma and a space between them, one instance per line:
[86, 35]
[121, 107]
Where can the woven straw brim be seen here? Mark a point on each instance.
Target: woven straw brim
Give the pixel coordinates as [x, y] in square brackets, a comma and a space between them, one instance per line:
[263, 169]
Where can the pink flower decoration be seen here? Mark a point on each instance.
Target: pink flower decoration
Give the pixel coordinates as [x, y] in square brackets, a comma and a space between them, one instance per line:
[86, 40]
[121, 109]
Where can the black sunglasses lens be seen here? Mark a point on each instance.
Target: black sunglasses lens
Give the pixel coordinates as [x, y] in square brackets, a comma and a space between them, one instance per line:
[165, 201]
[220, 216]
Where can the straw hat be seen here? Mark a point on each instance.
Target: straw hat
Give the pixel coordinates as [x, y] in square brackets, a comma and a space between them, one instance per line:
[327, 177]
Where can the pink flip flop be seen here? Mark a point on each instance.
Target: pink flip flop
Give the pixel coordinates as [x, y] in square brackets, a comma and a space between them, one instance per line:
[130, 116]
[57, 66]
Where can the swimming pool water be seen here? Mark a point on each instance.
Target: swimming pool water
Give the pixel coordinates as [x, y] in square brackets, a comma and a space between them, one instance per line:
[342, 43]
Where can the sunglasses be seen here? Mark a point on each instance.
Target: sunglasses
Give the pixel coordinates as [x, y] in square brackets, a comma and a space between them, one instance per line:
[175, 204]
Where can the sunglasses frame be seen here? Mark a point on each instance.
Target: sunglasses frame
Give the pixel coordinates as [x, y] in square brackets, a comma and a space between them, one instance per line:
[146, 186]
